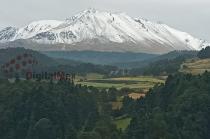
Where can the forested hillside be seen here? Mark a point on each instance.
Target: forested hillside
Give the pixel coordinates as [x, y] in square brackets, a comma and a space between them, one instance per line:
[97, 57]
[164, 66]
[146, 62]
[38, 110]
[48, 64]
[177, 110]
[45, 110]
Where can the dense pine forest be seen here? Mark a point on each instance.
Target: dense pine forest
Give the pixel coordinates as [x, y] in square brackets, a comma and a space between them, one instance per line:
[37, 110]
[178, 109]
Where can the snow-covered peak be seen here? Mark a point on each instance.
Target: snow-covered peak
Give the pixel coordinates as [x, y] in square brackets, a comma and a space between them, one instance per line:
[96, 14]
[158, 28]
[106, 27]
[7, 34]
[85, 13]
[90, 11]
[36, 27]
[96, 24]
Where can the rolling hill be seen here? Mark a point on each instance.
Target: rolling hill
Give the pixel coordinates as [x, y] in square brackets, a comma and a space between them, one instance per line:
[195, 66]
[100, 57]
[48, 64]
[145, 62]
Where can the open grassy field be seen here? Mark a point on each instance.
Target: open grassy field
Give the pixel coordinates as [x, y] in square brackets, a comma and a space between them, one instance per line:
[143, 83]
[195, 66]
[90, 76]
[136, 96]
[122, 123]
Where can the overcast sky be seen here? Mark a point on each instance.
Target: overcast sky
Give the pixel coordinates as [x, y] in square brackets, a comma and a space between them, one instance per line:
[192, 16]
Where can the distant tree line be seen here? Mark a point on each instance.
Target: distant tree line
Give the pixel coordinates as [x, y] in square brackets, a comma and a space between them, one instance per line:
[204, 53]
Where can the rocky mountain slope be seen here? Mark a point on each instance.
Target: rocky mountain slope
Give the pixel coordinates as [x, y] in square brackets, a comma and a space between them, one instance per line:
[100, 31]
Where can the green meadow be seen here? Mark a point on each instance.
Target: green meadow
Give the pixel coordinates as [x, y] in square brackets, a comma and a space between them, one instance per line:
[143, 83]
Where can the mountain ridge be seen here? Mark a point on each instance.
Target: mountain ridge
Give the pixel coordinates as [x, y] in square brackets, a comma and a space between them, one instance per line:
[96, 30]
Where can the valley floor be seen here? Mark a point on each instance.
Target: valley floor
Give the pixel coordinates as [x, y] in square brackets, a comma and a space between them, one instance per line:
[139, 83]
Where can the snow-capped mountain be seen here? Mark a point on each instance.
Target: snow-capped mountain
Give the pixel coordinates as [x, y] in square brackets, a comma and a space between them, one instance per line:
[103, 31]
